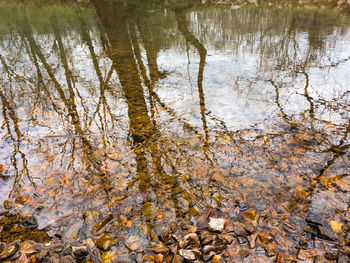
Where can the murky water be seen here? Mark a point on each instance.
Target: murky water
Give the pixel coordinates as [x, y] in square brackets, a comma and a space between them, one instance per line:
[151, 115]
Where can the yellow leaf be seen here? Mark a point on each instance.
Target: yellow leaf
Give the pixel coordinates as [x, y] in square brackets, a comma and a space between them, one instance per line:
[336, 226]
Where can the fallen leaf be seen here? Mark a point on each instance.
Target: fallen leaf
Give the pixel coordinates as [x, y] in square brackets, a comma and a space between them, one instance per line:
[336, 226]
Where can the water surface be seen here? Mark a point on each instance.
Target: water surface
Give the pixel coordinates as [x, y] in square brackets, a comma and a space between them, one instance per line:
[154, 114]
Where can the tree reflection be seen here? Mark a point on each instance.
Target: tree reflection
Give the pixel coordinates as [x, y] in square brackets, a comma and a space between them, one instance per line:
[110, 129]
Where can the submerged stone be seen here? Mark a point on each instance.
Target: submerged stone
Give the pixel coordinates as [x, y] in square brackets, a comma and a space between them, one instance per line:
[105, 241]
[80, 253]
[191, 240]
[7, 204]
[217, 259]
[190, 254]
[30, 222]
[9, 251]
[251, 216]
[109, 257]
[216, 224]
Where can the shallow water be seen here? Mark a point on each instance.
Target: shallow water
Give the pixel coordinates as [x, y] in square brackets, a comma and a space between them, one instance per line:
[154, 114]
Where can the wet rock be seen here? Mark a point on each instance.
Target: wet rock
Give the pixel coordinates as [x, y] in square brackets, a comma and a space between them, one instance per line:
[101, 225]
[67, 259]
[326, 233]
[55, 259]
[303, 241]
[239, 229]
[9, 251]
[177, 259]
[58, 248]
[242, 240]
[67, 250]
[7, 204]
[344, 184]
[208, 248]
[242, 253]
[250, 216]
[191, 240]
[109, 257]
[260, 250]
[2, 246]
[288, 257]
[80, 253]
[94, 256]
[249, 228]
[25, 200]
[190, 254]
[133, 243]
[209, 256]
[207, 237]
[163, 232]
[263, 239]
[220, 247]
[229, 227]
[331, 255]
[252, 241]
[227, 239]
[29, 222]
[42, 255]
[343, 258]
[270, 249]
[72, 232]
[216, 224]
[279, 258]
[203, 220]
[345, 250]
[320, 259]
[159, 258]
[217, 259]
[174, 248]
[158, 249]
[311, 230]
[305, 255]
[105, 241]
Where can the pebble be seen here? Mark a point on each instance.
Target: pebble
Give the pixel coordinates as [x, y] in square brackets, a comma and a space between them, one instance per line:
[216, 224]
[209, 256]
[105, 241]
[177, 259]
[9, 251]
[80, 253]
[67, 259]
[251, 216]
[158, 249]
[251, 240]
[133, 243]
[207, 238]
[239, 229]
[326, 233]
[263, 239]
[270, 249]
[217, 259]
[305, 255]
[42, 255]
[242, 240]
[208, 248]
[191, 240]
[7, 204]
[109, 257]
[30, 222]
[189, 254]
